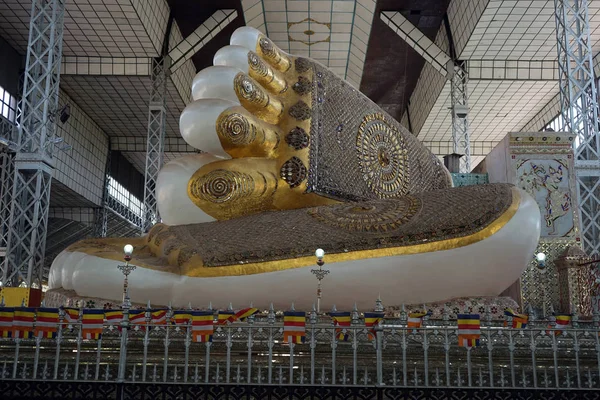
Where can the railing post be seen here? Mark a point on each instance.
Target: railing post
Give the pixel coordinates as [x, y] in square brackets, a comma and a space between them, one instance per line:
[355, 322]
[79, 340]
[146, 341]
[123, 350]
[379, 350]
[425, 356]
[36, 358]
[228, 344]
[313, 343]
[270, 343]
[61, 320]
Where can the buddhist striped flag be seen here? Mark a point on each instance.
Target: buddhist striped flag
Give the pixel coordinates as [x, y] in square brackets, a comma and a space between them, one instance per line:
[519, 321]
[113, 317]
[92, 322]
[202, 326]
[158, 317]
[294, 326]
[371, 321]
[182, 317]
[137, 317]
[343, 320]
[415, 319]
[46, 323]
[469, 330]
[71, 315]
[6, 321]
[245, 313]
[229, 316]
[22, 327]
[223, 317]
[562, 321]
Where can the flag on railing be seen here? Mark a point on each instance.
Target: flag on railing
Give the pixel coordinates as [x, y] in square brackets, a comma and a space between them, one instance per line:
[202, 326]
[22, 327]
[6, 321]
[294, 326]
[469, 330]
[71, 315]
[244, 313]
[225, 316]
[137, 317]
[182, 317]
[158, 317]
[46, 323]
[371, 321]
[343, 320]
[562, 321]
[92, 322]
[229, 316]
[113, 317]
[415, 319]
[519, 321]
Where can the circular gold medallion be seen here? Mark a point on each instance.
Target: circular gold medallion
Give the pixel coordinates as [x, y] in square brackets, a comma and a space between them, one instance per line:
[382, 156]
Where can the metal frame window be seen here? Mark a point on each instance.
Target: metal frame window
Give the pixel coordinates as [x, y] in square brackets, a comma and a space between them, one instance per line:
[8, 105]
[132, 204]
[556, 124]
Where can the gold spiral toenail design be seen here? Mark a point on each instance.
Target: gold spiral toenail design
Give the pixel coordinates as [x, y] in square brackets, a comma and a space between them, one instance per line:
[256, 100]
[267, 49]
[236, 129]
[257, 64]
[221, 185]
[265, 75]
[232, 188]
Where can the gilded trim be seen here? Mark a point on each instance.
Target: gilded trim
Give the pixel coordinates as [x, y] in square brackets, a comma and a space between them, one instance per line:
[195, 268]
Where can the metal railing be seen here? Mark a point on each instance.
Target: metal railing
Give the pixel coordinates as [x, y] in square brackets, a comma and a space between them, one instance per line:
[254, 352]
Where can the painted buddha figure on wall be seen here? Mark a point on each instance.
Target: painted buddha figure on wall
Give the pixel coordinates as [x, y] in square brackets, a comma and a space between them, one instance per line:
[296, 159]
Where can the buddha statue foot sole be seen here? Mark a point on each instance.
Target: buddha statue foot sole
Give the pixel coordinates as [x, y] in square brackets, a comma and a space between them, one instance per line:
[422, 248]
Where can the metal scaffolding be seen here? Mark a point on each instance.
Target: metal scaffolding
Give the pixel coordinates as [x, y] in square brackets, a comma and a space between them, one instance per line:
[579, 108]
[7, 162]
[157, 114]
[451, 68]
[460, 119]
[30, 200]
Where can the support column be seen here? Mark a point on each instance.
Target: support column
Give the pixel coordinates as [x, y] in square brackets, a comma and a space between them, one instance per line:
[7, 163]
[579, 108]
[157, 127]
[36, 137]
[460, 111]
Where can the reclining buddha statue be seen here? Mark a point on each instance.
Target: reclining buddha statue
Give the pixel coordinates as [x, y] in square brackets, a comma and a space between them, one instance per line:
[295, 159]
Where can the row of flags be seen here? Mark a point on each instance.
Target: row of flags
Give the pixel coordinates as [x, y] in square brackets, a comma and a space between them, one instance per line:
[469, 326]
[26, 322]
[19, 322]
